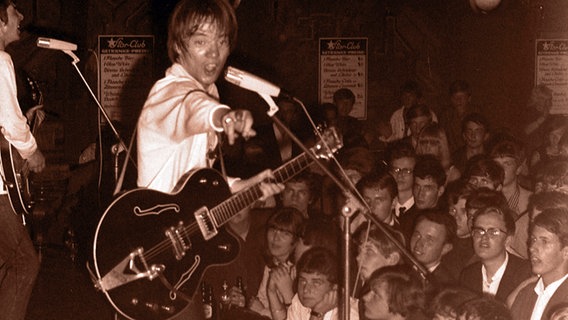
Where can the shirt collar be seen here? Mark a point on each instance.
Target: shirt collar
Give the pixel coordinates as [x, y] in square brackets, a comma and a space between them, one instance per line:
[551, 288]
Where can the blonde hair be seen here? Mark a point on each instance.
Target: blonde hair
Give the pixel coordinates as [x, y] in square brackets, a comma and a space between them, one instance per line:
[435, 133]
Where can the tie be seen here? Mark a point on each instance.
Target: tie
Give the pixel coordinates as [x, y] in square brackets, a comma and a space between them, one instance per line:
[401, 211]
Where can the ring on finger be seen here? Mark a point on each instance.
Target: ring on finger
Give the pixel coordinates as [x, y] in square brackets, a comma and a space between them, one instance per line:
[228, 120]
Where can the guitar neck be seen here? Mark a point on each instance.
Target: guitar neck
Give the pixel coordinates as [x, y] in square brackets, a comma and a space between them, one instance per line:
[230, 207]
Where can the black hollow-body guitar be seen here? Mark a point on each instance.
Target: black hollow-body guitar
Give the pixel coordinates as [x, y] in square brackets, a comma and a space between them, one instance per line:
[152, 248]
[15, 178]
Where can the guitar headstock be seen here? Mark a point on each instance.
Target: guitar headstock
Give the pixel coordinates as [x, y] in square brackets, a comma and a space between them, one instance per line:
[330, 142]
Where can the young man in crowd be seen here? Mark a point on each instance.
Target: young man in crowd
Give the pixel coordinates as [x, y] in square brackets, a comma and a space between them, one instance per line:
[433, 237]
[548, 247]
[475, 132]
[429, 181]
[401, 160]
[509, 154]
[497, 272]
[317, 296]
[301, 192]
[483, 172]
[452, 116]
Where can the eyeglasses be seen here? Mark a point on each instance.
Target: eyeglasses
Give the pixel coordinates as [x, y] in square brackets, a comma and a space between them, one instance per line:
[403, 171]
[491, 232]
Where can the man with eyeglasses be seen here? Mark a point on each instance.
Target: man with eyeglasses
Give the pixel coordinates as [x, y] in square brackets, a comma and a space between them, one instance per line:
[497, 272]
[483, 172]
[401, 160]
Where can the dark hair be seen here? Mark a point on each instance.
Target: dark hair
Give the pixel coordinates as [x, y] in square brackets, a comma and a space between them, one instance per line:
[485, 197]
[319, 233]
[448, 300]
[441, 218]
[428, 166]
[482, 166]
[189, 15]
[459, 86]
[416, 111]
[344, 94]
[457, 190]
[548, 200]
[378, 180]
[380, 240]
[4, 4]
[405, 294]
[399, 149]
[504, 213]
[484, 308]
[508, 147]
[554, 221]
[476, 118]
[319, 260]
[411, 86]
[311, 180]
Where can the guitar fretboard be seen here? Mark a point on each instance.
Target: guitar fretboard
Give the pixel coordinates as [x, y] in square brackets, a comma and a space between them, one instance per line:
[230, 207]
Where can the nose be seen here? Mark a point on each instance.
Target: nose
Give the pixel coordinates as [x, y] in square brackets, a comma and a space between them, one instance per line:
[213, 50]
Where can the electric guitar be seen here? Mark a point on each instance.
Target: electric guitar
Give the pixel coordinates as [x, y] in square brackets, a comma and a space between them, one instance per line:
[15, 178]
[152, 248]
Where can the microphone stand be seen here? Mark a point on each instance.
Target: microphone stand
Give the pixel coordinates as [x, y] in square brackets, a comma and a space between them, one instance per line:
[103, 112]
[345, 304]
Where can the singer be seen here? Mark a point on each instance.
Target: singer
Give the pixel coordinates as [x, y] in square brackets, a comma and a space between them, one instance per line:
[19, 263]
[182, 114]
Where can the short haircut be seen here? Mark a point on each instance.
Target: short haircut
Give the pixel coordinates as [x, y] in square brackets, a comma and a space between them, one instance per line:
[486, 307]
[508, 147]
[504, 213]
[417, 110]
[378, 180]
[399, 149]
[456, 190]
[428, 166]
[344, 94]
[482, 166]
[380, 240]
[459, 86]
[319, 233]
[189, 15]
[311, 180]
[485, 197]
[476, 118]
[405, 294]
[413, 87]
[448, 300]
[548, 200]
[287, 218]
[441, 218]
[321, 261]
[554, 221]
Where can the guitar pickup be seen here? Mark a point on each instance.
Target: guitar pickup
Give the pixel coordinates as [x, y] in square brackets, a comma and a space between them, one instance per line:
[205, 223]
[179, 244]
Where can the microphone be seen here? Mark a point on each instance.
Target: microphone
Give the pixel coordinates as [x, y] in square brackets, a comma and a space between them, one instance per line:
[251, 82]
[55, 44]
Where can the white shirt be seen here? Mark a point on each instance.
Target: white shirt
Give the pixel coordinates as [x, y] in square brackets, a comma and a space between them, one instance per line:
[544, 296]
[397, 124]
[175, 130]
[407, 205]
[493, 285]
[297, 311]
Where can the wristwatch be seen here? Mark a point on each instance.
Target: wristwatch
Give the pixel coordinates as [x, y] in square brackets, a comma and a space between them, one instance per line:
[318, 315]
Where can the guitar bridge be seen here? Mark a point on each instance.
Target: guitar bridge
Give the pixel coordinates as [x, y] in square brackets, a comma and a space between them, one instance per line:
[205, 223]
[128, 270]
[179, 244]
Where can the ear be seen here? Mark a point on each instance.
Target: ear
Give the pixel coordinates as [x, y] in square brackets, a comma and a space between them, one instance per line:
[508, 241]
[394, 258]
[499, 187]
[441, 190]
[446, 248]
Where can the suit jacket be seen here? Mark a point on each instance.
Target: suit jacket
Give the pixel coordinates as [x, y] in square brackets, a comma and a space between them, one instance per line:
[524, 303]
[517, 271]
[406, 222]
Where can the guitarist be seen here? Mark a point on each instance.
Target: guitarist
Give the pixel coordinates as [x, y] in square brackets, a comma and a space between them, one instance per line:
[19, 263]
[182, 114]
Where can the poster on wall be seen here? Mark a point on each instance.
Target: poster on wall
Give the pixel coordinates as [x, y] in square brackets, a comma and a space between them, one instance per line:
[126, 73]
[343, 64]
[552, 71]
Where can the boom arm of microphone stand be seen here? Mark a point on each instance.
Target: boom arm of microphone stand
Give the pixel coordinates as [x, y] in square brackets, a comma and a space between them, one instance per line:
[103, 111]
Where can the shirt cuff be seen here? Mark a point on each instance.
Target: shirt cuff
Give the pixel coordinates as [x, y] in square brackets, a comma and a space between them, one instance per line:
[212, 121]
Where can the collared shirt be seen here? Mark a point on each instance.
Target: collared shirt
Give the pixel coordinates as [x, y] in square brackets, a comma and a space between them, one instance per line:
[407, 205]
[433, 268]
[544, 296]
[491, 286]
[175, 129]
[297, 311]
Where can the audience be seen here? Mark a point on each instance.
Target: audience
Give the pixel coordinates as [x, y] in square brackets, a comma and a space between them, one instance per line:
[484, 308]
[416, 118]
[452, 116]
[446, 303]
[432, 140]
[482, 172]
[401, 160]
[475, 132]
